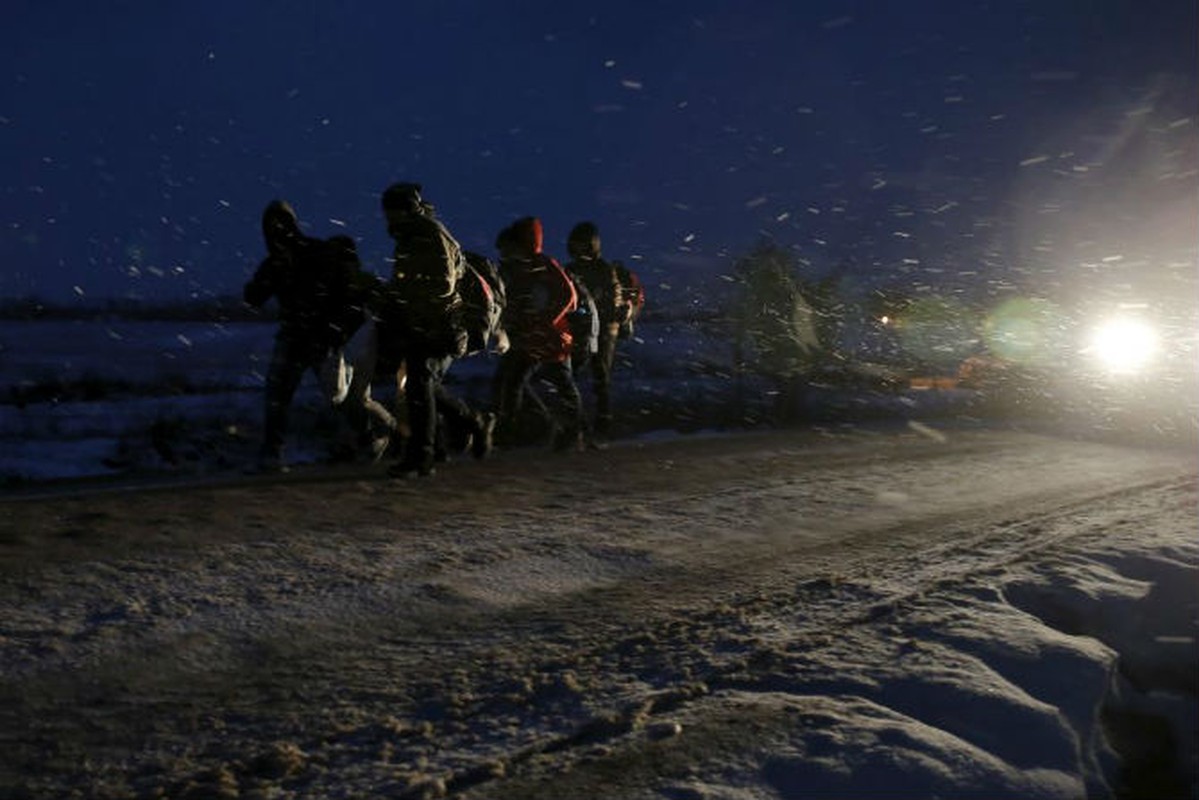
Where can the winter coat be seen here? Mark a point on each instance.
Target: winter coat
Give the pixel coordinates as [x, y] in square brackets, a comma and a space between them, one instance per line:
[319, 285]
[422, 299]
[585, 321]
[540, 295]
[602, 280]
[540, 301]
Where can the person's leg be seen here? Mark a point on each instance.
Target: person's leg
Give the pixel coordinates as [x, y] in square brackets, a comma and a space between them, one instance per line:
[370, 419]
[424, 375]
[456, 411]
[569, 411]
[602, 363]
[535, 412]
[515, 370]
[282, 379]
[463, 426]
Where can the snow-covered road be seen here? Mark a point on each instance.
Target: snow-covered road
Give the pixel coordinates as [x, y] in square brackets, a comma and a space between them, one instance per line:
[761, 616]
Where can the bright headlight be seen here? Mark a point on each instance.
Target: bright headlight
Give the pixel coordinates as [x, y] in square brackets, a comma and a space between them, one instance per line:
[1123, 345]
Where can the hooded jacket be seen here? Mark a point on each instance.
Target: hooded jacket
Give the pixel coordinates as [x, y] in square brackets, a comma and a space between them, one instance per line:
[319, 284]
[540, 296]
[423, 291]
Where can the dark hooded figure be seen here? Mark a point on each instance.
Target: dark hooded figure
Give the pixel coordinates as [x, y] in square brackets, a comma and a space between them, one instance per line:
[322, 293]
[603, 282]
[540, 298]
[422, 325]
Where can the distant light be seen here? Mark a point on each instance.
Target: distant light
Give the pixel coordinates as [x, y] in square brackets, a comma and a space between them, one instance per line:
[1124, 345]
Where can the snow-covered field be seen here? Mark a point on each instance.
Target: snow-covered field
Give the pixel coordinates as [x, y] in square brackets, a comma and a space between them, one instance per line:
[922, 605]
[95, 398]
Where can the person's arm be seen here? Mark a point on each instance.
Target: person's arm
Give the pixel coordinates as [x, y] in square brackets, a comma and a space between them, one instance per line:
[260, 288]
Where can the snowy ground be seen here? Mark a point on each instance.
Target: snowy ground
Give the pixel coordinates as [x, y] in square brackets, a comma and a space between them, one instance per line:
[930, 610]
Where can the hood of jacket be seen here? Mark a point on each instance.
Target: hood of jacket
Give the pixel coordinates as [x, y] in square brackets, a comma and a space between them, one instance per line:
[280, 227]
[527, 235]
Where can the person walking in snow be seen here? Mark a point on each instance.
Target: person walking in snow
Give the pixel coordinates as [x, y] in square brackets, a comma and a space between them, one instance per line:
[322, 293]
[422, 323]
[613, 307]
[540, 298]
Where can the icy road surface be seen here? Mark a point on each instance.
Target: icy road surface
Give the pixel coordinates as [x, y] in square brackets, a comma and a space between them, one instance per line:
[757, 616]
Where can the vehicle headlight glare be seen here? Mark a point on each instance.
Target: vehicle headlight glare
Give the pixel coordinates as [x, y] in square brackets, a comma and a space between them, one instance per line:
[1124, 346]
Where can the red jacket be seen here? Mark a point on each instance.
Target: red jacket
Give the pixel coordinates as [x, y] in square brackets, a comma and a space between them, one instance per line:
[540, 298]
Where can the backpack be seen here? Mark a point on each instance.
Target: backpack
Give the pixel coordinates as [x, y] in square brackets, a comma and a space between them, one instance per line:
[482, 293]
[347, 289]
[584, 321]
[320, 286]
[633, 294]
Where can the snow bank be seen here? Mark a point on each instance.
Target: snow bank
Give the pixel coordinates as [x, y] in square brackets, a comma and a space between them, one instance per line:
[1065, 676]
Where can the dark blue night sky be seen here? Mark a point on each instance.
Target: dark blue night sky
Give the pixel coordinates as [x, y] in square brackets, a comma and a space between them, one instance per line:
[939, 141]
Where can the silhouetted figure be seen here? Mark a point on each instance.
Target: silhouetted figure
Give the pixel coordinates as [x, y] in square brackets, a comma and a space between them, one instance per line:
[614, 307]
[422, 323]
[322, 293]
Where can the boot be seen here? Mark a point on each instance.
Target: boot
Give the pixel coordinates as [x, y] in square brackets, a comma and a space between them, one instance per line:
[416, 462]
[483, 439]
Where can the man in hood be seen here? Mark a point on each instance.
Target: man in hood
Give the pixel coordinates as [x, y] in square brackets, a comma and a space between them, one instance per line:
[422, 323]
[322, 293]
[540, 298]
